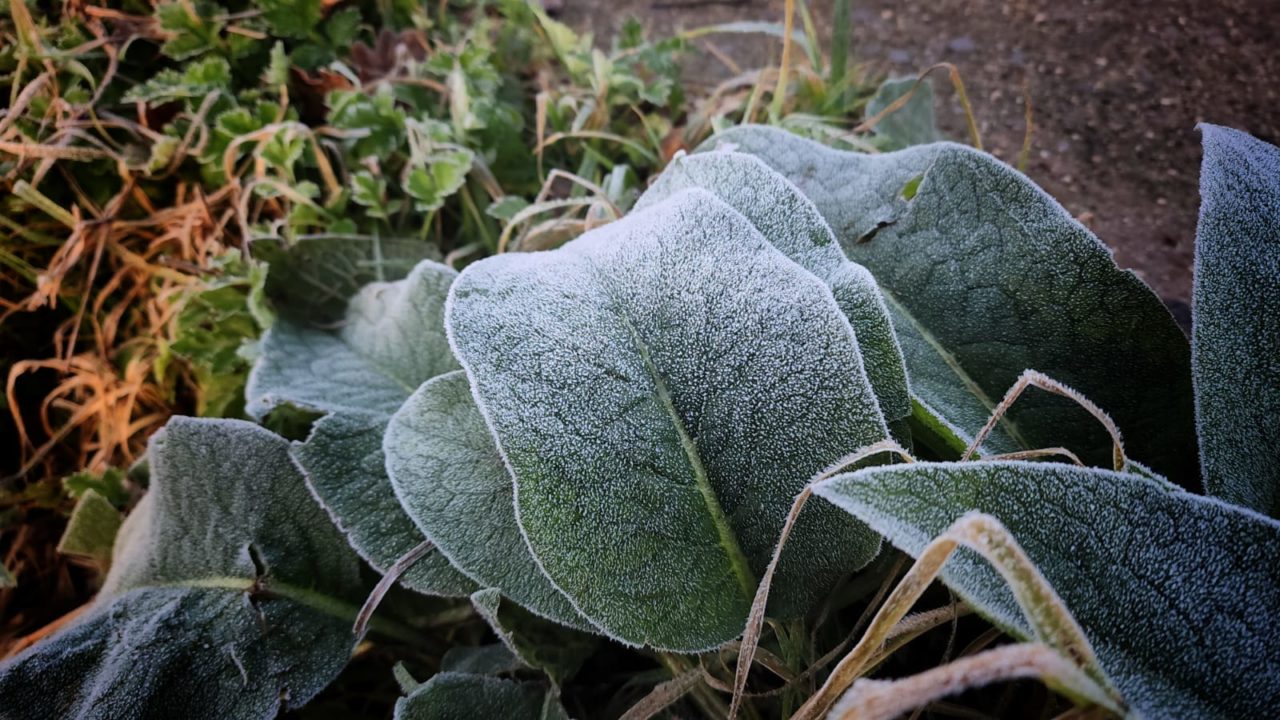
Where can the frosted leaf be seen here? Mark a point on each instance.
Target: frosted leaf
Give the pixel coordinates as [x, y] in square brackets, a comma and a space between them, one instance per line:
[789, 221]
[990, 277]
[453, 696]
[911, 124]
[392, 340]
[345, 467]
[1236, 313]
[91, 529]
[556, 650]
[1175, 591]
[311, 279]
[449, 477]
[225, 598]
[661, 388]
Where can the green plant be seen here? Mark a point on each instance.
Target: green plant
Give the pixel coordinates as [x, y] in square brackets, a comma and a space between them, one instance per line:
[621, 438]
[157, 158]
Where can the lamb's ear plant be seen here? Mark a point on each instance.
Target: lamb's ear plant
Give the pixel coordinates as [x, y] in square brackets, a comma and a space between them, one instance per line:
[358, 372]
[451, 695]
[659, 389]
[1177, 592]
[621, 440]
[985, 276]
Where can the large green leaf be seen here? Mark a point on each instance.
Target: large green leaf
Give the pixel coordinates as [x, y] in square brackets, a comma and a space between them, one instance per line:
[1236, 331]
[450, 478]
[230, 595]
[789, 221]
[1178, 593]
[454, 696]
[911, 124]
[661, 388]
[985, 276]
[391, 340]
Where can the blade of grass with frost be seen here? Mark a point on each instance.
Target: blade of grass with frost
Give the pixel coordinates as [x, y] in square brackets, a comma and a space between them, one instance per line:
[986, 276]
[449, 477]
[451, 695]
[230, 595]
[911, 124]
[1236, 321]
[1173, 590]
[391, 340]
[791, 223]
[634, 382]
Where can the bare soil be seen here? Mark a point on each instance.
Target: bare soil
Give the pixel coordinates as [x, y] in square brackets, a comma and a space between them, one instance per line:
[1117, 87]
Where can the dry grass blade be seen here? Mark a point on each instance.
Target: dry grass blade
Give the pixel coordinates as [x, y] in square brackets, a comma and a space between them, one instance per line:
[1032, 378]
[780, 91]
[1040, 453]
[884, 700]
[755, 619]
[384, 586]
[663, 695]
[915, 625]
[1050, 619]
[1025, 153]
[52, 152]
[554, 138]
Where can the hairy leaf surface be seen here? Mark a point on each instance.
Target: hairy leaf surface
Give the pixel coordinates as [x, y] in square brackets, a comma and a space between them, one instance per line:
[789, 221]
[230, 595]
[661, 388]
[391, 340]
[492, 659]
[985, 276]
[91, 529]
[346, 469]
[450, 479]
[1174, 590]
[452, 696]
[1236, 333]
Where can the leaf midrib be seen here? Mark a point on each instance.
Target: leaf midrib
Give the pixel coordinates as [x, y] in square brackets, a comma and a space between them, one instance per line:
[313, 599]
[728, 539]
[954, 365]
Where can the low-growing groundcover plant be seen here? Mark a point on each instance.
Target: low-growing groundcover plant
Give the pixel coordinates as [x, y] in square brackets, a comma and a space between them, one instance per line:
[145, 147]
[616, 443]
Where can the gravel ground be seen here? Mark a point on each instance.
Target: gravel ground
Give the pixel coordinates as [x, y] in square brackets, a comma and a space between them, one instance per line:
[1116, 86]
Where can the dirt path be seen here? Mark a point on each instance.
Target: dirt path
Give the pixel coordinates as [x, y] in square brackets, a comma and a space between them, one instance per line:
[1117, 87]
